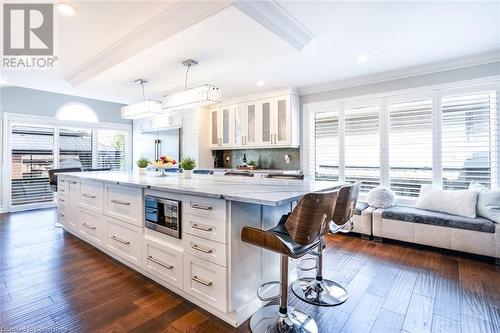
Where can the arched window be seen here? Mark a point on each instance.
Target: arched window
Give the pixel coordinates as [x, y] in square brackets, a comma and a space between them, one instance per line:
[77, 112]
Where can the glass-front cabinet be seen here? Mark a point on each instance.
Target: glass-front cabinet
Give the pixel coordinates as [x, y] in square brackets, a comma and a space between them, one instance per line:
[269, 122]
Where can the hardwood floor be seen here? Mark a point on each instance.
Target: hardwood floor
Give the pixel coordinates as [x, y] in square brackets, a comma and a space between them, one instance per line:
[53, 282]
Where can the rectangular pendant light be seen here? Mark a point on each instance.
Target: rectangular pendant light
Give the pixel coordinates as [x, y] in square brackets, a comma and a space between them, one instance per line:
[194, 97]
[141, 110]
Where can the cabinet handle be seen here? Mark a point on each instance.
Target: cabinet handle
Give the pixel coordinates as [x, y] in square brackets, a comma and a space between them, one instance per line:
[88, 226]
[90, 196]
[203, 282]
[73, 182]
[202, 207]
[62, 200]
[201, 227]
[200, 249]
[61, 215]
[125, 203]
[119, 240]
[156, 261]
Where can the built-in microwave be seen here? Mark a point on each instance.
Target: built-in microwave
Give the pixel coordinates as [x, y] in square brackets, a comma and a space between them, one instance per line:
[163, 215]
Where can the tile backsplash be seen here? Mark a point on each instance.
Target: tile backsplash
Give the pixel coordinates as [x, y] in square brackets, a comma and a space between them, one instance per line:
[265, 158]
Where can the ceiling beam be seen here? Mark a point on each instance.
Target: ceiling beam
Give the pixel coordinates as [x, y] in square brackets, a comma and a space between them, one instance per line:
[173, 20]
[275, 18]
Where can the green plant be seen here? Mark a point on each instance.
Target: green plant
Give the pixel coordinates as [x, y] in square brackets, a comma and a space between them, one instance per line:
[142, 162]
[188, 163]
[252, 163]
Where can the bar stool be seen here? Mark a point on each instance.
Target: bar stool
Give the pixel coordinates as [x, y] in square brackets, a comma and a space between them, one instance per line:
[295, 235]
[316, 290]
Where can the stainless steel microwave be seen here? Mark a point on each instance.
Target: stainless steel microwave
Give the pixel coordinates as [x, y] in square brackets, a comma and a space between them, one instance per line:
[163, 215]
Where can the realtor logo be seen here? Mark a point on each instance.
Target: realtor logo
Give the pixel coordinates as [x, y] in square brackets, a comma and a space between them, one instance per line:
[28, 29]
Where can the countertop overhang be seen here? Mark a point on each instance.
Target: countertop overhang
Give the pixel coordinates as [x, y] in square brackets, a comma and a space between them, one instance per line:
[262, 191]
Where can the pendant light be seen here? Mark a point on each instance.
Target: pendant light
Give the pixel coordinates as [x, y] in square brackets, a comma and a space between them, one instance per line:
[145, 109]
[203, 95]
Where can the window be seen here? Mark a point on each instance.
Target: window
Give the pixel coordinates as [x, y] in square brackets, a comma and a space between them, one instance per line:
[326, 143]
[111, 150]
[32, 156]
[446, 137]
[468, 137]
[75, 147]
[362, 159]
[410, 146]
[77, 112]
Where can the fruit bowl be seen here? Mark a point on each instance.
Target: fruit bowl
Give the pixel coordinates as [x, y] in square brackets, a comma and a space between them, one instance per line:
[164, 163]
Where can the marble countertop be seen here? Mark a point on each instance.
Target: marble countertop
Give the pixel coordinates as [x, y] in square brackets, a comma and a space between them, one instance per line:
[263, 191]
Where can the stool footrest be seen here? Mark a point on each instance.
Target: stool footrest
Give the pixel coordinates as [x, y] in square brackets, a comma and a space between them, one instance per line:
[300, 264]
[267, 285]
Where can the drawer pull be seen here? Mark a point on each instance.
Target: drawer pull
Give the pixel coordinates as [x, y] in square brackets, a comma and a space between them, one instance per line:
[201, 227]
[125, 203]
[61, 215]
[119, 240]
[88, 226]
[200, 249]
[62, 200]
[202, 207]
[203, 282]
[73, 182]
[90, 196]
[160, 263]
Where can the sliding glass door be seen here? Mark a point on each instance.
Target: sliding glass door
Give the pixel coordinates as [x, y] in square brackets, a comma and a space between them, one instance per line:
[34, 146]
[32, 155]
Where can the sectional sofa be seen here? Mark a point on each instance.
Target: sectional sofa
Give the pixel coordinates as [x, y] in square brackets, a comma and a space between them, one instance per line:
[409, 224]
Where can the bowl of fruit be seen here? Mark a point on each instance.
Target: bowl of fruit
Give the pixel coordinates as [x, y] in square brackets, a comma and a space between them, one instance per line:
[163, 163]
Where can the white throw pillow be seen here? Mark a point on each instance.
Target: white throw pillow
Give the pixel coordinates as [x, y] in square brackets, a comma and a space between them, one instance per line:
[456, 202]
[381, 197]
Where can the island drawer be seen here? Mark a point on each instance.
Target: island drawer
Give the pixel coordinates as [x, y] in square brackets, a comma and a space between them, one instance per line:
[205, 207]
[91, 226]
[62, 186]
[124, 240]
[205, 281]
[215, 230]
[91, 196]
[164, 262]
[124, 203]
[205, 249]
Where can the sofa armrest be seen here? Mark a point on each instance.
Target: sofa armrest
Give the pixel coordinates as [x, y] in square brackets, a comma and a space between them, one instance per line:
[497, 241]
[377, 225]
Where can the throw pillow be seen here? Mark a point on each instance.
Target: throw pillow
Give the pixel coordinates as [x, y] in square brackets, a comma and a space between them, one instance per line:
[456, 202]
[488, 202]
[381, 197]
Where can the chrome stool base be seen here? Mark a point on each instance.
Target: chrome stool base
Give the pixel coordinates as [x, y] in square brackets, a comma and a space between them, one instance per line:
[269, 320]
[319, 292]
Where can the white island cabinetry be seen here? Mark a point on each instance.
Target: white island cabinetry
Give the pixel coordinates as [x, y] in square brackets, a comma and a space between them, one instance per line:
[208, 265]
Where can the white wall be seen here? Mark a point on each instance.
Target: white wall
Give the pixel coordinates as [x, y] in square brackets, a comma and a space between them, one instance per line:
[462, 74]
[191, 140]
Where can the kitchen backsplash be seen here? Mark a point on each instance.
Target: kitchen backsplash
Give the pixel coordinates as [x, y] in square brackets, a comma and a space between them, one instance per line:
[265, 158]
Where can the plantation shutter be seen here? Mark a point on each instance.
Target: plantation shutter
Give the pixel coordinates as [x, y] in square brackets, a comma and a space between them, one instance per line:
[112, 149]
[32, 156]
[362, 157]
[75, 145]
[410, 146]
[468, 139]
[326, 145]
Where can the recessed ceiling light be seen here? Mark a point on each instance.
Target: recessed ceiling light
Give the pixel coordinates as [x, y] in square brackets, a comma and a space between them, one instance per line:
[66, 9]
[260, 83]
[361, 59]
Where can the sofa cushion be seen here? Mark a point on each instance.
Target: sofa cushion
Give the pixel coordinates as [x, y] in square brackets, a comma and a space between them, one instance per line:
[488, 202]
[416, 215]
[360, 207]
[456, 202]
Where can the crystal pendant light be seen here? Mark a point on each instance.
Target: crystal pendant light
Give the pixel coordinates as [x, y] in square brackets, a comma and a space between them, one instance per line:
[145, 109]
[194, 97]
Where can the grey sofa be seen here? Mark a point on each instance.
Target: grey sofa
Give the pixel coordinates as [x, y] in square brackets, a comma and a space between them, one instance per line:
[409, 224]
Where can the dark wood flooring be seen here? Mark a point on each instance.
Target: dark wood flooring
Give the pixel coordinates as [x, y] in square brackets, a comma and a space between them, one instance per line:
[50, 281]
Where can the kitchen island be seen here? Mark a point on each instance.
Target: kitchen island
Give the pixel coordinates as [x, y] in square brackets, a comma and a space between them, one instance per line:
[208, 265]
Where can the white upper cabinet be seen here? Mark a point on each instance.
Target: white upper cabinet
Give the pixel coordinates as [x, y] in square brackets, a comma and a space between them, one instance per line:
[267, 122]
